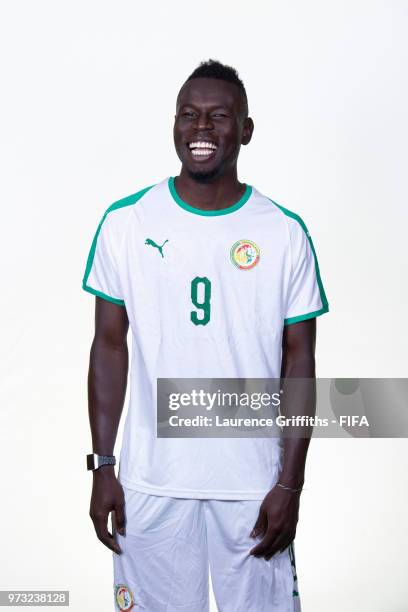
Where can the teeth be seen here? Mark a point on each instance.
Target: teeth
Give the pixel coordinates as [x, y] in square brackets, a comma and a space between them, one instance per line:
[202, 145]
[202, 152]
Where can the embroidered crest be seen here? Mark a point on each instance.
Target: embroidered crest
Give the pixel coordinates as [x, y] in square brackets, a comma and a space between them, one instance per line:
[124, 597]
[245, 254]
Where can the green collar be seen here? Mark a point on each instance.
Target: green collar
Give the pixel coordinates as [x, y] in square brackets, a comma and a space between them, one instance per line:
[208, 213]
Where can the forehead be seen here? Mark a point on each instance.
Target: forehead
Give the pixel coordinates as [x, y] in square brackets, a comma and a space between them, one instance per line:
[209, 92]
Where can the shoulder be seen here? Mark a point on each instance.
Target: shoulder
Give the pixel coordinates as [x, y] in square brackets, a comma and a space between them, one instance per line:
[125, 204]
[293, 220]
[114, 221]
[115, 218]
[293, 223]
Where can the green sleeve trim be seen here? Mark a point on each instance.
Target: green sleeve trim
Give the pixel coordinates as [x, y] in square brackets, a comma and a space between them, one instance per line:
[128, 201]
[103, 295]
[323, 297]
[305, 317]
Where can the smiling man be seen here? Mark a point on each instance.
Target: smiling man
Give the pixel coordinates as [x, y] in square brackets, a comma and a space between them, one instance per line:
[215, 280]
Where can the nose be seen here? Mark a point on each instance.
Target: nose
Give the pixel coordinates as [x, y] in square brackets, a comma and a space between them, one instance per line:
[204, 122]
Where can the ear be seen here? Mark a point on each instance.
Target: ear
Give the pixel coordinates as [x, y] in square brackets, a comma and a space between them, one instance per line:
[247, 131]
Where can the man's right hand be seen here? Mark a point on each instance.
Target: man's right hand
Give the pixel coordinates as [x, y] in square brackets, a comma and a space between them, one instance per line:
[107, 496]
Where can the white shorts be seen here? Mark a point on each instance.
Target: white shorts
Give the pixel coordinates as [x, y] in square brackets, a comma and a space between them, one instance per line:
[170, 544]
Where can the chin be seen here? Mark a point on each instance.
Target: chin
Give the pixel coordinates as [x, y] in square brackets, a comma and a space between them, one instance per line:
[203, 175]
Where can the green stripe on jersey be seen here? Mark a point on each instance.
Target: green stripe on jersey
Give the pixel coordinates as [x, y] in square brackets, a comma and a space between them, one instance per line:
[325, 304]
[128, 201]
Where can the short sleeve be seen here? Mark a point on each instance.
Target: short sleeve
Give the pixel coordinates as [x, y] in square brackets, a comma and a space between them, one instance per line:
[101, 276]
[306, 296]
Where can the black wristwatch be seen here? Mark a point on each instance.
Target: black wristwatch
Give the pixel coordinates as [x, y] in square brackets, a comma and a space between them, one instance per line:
[94, 461]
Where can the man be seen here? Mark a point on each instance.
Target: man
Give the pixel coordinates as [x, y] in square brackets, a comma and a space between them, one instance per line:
[215, 280]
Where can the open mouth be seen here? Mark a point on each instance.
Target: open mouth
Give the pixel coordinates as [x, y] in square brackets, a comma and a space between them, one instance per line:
[202, 148]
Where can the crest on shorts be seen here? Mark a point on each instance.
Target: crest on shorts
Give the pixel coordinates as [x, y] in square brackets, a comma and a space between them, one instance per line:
[124, 597]
[245, 254]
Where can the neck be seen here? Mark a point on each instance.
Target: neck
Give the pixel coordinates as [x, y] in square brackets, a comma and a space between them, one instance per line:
[220, 192]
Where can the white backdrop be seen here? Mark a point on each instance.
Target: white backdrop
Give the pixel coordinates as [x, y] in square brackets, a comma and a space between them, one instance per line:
[88, 97]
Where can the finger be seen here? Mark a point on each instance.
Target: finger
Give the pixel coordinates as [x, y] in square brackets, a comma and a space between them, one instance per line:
[260, 526]
[267, 541]
[257, 524]
[119, 518]
[279, 545]
[100, 524]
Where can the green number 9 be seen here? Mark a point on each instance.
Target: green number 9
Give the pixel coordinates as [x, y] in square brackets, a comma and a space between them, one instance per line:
[205, 305]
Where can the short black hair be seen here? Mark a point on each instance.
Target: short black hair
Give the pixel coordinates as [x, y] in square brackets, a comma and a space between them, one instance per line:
[213, 69]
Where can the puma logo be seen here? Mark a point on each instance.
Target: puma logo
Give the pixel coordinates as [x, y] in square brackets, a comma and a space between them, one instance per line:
[156, 246]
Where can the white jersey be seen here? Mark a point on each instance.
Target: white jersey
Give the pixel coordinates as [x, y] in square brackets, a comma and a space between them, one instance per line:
[207, 294]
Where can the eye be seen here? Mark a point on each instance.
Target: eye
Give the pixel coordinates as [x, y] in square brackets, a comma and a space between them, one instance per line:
[188, 114]
[219, 115]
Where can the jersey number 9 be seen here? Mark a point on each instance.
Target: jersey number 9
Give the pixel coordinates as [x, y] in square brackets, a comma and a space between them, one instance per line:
[201, 283]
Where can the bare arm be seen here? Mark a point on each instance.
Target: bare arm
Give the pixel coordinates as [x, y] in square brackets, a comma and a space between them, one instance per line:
[298, 361]
[107, 379]
[279, 511]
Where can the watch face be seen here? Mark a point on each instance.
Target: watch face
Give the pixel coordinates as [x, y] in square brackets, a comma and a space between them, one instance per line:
[90, 462]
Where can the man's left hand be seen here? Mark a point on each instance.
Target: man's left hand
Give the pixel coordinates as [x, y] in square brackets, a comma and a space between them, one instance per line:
[276, 523]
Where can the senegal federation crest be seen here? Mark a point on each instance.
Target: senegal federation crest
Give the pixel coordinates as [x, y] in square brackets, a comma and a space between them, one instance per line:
[124, 597]
[245, 254]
